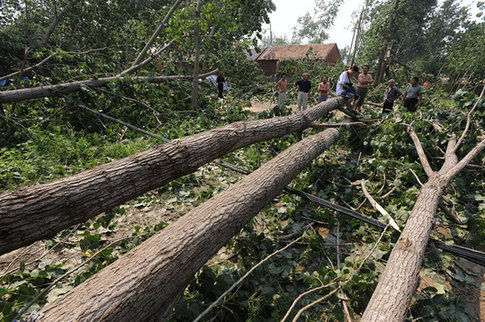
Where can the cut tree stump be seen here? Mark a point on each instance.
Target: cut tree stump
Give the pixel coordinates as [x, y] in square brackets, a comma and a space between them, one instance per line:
[145, 284]
[39, 212]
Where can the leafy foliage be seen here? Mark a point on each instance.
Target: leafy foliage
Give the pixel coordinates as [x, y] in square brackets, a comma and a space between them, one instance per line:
[45, 139]
[313, 27]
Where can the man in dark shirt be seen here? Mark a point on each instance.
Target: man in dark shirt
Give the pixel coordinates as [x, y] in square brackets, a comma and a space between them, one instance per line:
[413, 94]
[303, 86]
[390, 95]
[220, 83]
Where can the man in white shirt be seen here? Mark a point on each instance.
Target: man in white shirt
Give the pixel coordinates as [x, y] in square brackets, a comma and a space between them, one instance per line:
[345, 87]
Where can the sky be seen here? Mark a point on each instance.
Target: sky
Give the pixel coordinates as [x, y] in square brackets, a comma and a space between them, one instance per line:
[284, 18]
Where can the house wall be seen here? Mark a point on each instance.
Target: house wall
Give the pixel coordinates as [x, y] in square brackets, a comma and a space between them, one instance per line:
[333, 56]
[268, 66]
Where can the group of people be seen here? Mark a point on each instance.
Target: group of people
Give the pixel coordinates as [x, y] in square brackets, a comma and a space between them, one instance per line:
[354, 97]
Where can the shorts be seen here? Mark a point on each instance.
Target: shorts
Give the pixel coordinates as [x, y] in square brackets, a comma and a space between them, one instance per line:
[361, 92]
[322, 98]
[348, 94]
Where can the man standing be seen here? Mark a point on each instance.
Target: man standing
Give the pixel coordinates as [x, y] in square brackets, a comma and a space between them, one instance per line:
[220, 83]
[390, 95]
[323, 88]
[303, 86]
[345, 88]
[413, 94]
[364, 80]
[282, 87]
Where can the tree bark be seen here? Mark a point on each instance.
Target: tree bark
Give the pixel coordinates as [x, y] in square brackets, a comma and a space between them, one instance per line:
[39, 212]
[399, 280]
[67, 88]
[144, 284]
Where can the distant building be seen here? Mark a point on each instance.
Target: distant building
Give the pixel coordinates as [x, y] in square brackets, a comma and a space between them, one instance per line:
[271, 57]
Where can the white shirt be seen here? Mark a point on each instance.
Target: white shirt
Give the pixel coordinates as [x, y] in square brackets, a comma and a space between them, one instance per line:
[344, 78]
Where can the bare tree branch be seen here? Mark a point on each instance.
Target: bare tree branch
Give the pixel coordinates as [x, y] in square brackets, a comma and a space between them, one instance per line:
[379, 207]
[66, 88]
[134, 68]
[468, 120]
[473, 153]
[125, 124]
[306, 293]
[421, 154]
[329, 125]
[55, 22]
[239, 281]
[157, 32]
[303, 309]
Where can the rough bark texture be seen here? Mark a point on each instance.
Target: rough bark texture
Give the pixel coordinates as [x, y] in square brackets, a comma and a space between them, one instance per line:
[67, 88]
[39, 212]
[144, 284]
[398, 282]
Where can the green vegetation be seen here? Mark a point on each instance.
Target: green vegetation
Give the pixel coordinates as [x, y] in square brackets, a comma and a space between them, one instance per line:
[50, 138]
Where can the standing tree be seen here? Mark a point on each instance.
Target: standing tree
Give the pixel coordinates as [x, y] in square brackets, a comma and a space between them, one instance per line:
[313, 27]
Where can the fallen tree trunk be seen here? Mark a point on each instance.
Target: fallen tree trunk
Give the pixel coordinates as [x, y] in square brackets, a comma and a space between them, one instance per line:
[58, 90]
[398, 282]
[33, 213]
[145, 284]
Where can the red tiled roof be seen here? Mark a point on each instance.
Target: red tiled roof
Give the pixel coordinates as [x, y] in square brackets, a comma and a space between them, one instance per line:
[295, 51]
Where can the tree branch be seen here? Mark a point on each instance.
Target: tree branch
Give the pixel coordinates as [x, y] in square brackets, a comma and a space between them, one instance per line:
[134, 68]
[55, 22]
[460, 165]
[468, 120]
[303, 309]
[329, 125]
[242, 279]
[378, 207]
[66, 88]
[157, 32]
[419, 149]
[306, 293]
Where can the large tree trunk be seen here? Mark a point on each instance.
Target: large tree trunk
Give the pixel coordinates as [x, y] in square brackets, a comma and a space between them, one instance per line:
[39, 212]
[67, 88]
[145, 284]
[398, 282]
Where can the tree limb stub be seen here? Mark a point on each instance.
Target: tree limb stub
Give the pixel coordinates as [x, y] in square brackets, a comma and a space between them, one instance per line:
[33, 213]
[58, 90]
[143, 284]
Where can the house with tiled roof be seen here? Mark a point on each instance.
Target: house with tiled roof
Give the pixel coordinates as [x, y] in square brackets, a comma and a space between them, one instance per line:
[271, 57]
